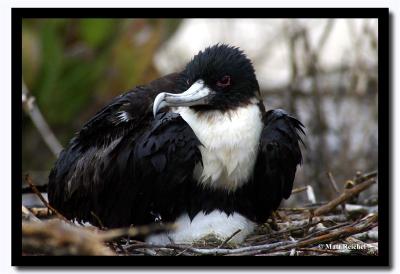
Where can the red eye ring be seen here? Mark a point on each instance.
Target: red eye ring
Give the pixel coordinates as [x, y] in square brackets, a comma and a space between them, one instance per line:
[224, 81]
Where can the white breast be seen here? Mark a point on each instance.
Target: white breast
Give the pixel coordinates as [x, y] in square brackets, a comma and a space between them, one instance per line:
[230, 144]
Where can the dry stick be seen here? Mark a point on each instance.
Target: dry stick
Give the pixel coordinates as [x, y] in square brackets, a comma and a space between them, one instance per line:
[102, 227]
[347, 194]
[279, 253]
[337, 218]
[116, 233]
[27, 214]
[335, 187]
[293, 209]
[333, 182]
[28, 180]
[55, 237]
[299, 189]
[324, 231]
[229, 238]
[366, 177]
[282, 216]
[41, 212]
[183, 251]
[30, 107]
[310, 218]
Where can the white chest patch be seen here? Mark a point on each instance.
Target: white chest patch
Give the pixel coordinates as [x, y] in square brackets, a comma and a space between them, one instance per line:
[217, 224]
[230, 144]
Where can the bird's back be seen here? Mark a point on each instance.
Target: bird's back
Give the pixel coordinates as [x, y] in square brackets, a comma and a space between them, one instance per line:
[103, 173]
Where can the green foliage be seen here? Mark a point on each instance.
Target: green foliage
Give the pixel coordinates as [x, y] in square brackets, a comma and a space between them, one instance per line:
[94, 32]
[75, 66]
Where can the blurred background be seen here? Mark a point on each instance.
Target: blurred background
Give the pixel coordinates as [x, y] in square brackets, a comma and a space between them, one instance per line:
[323, 71]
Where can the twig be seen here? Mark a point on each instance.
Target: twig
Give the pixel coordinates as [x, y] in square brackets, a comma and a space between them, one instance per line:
[309, 191]
[323, 230]
[28, 180]
[183, 251]
[26, 214]
[336, 189]
[59, 238]
[30, 107]
[310, 218]
[27, 189]
[301, 209]
[229, 238]
[116, 233]
[98, 220]
[299, 189]
[333, 182]
[346, 195]
[41, 212]
[366, 177]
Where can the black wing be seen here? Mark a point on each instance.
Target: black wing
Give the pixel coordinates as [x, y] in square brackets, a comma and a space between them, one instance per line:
[125, 171]
[278, 158]
[127, 111]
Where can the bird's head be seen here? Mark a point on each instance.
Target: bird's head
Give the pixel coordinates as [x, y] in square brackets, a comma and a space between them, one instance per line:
[219, 78]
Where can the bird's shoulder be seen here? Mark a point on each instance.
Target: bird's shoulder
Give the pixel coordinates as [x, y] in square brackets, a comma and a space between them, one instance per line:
[131, 109]
[280, 125]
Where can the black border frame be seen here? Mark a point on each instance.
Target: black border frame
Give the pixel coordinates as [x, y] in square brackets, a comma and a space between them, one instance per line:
[384, 68]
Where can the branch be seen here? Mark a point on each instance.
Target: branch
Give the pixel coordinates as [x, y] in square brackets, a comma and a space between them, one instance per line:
[116, 233]
[59, 238]
[28, 180]
[31, 108]
[29, 216]
[346, 195]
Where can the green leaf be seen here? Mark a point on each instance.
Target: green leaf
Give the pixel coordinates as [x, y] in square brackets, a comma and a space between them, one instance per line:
[95, 32]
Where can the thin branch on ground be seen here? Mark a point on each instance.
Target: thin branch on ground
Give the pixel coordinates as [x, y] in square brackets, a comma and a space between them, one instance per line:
[28, 180]
[346, 195]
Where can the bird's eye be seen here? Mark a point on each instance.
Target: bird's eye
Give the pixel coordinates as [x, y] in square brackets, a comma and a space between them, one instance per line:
[224, 81]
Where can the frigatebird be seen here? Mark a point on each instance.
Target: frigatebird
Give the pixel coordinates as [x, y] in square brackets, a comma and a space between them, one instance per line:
[196, 148]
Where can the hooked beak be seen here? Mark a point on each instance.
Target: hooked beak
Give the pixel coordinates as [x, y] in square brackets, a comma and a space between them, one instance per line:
[197, 94]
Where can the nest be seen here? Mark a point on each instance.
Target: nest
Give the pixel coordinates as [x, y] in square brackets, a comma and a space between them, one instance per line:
[337, 227]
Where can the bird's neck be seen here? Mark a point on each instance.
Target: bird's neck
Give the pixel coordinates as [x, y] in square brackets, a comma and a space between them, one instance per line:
[229, 144]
